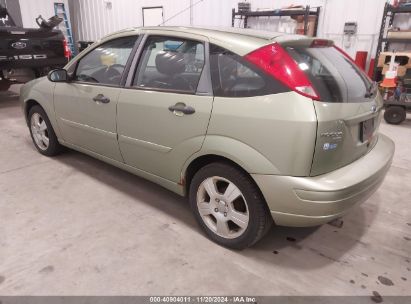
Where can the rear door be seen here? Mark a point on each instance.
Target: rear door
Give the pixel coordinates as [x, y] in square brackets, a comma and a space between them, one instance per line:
[349, 112]
[164, 111]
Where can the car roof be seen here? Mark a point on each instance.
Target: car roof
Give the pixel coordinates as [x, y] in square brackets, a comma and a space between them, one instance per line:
[238, 40]
[218, 31]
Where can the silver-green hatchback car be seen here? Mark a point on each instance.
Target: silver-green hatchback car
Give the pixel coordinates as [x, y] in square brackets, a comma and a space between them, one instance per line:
[254, 127]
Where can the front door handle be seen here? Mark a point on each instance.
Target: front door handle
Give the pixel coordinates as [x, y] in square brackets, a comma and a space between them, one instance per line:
[101, 98]
[180, 108]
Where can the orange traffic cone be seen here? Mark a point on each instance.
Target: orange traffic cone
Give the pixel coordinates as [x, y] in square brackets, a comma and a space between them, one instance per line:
[389, 80]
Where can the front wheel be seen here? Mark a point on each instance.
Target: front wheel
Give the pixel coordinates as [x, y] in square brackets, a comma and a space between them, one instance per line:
[229, 206]
[42, 133]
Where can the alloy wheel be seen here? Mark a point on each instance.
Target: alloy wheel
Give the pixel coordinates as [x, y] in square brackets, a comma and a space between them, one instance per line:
[222, 207]
[39, 131]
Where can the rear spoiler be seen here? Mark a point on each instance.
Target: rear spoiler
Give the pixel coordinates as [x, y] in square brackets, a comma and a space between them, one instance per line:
[308, 42]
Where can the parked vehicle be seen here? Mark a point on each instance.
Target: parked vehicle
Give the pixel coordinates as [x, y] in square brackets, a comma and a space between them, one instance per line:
[27, 53]
[253, 127]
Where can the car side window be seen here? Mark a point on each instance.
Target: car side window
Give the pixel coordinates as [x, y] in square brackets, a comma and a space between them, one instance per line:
[105, 64]
[169, 63]
[233, 76]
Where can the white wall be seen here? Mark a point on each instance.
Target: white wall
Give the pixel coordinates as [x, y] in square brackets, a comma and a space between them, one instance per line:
[367, 14]
[95, 19]
[31, 9]
[333, 15]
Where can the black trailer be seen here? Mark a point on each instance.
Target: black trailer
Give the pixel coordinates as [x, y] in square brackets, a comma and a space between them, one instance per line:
[396, 110]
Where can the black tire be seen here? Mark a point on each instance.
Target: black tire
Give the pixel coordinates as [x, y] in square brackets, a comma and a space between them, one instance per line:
[395, 115]
[260, 220]
[54, 146]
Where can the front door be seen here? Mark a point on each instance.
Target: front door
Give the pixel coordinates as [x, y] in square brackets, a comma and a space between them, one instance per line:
[86, 107]
[164, 112]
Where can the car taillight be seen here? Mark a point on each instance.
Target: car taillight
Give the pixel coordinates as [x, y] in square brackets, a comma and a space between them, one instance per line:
[67, 52]
[321, 43]
[275, 61]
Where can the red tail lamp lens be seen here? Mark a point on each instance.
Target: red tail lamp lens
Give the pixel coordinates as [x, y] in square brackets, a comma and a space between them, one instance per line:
[321, 43]
[275, 61]
[67, 52]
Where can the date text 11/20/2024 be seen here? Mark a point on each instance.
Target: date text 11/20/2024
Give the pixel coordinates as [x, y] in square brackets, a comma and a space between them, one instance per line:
[201, 299]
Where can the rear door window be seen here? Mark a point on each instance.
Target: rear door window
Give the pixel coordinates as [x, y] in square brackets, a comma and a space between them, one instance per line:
[170, 64]
[333, 75]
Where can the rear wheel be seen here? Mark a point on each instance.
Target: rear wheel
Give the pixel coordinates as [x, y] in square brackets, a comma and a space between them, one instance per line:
[42, 133]
[229, 206]
[395, 115]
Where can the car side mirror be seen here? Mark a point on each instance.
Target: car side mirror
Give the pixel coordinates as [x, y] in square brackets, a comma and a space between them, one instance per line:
[58, 75]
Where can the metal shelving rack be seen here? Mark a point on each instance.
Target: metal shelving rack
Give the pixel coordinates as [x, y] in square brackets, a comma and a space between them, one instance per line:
[306, 12]
[383, 41]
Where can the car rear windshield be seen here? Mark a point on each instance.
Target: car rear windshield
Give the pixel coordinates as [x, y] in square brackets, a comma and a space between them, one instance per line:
[333, 75]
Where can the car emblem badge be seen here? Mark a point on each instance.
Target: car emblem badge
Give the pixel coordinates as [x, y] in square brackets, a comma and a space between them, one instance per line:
[329, 146]
[338, 135]
[19, 45]
[373, 108]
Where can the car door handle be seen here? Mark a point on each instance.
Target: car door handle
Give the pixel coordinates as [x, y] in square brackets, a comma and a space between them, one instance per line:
[180, 108]
[101, 98]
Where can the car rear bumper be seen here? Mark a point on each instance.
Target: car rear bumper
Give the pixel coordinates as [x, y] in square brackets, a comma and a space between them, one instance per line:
[311, 201]
[35, 63]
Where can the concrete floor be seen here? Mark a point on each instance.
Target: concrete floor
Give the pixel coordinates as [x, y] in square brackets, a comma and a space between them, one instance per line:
[72, 225]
